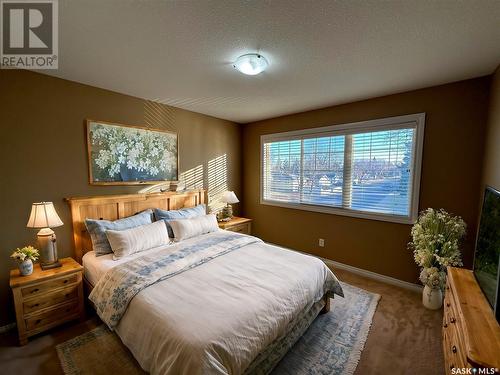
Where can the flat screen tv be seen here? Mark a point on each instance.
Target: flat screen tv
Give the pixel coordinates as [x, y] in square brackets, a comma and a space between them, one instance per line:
[487, 254]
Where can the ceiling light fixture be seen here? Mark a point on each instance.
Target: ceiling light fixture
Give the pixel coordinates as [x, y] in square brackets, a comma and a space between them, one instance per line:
[251, 64]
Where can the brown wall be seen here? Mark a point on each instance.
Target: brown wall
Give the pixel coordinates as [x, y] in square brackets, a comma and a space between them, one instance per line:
[43, 151]
[451, 173]
[43, 157]
[491, 172]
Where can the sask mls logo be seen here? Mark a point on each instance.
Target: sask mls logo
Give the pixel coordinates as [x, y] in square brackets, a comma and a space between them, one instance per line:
[29, 34]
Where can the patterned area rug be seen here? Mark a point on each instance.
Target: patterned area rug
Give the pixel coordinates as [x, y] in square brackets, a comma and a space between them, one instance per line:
[332, 344]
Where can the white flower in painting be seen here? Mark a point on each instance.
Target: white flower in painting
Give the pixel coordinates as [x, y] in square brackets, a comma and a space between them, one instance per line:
[143, 151]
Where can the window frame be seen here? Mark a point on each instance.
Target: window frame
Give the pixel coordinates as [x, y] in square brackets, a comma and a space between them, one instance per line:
[416, 121]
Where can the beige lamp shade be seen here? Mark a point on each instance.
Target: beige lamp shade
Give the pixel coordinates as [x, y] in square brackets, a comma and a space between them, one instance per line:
[229, 197]
[43, 215]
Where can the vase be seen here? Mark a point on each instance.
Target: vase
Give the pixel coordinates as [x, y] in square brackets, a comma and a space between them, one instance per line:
[133, 174]
[26, 267]
[432, 298]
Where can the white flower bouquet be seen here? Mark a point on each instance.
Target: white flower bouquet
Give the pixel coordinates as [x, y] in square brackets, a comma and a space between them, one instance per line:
[432, 277]
[435, 242]
[25, 253]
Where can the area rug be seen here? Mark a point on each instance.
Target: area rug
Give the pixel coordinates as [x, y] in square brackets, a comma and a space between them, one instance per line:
[332, 344]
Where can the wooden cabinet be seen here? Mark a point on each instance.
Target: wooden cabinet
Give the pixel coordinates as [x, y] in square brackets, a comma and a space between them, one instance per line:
[471, 334]
[48, 298]
[237, 224]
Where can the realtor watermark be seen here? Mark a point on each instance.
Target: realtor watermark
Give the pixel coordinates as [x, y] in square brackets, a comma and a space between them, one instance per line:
[29, 34]
[474, 371]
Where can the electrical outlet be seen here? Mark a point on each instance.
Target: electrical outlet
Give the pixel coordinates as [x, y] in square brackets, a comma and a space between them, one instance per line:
[321, 242]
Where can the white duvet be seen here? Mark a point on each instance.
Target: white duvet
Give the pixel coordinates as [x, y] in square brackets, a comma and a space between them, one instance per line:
[217, 317]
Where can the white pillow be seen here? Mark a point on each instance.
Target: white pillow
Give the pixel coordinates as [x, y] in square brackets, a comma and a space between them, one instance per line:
[130, 241]
[192, 227]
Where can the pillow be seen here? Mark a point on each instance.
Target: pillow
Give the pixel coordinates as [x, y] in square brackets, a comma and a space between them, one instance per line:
[187, 228]
[183, 213]
[144, 237]
[97, 229]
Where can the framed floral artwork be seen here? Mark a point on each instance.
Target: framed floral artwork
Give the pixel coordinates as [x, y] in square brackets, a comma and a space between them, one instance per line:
[130, 155]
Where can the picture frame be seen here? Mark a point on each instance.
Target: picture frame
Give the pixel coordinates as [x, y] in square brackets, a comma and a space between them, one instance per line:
[120, 154]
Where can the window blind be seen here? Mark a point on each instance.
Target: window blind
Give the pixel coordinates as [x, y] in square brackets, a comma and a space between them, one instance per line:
[365, 170]
[381, 171]
[322, 171]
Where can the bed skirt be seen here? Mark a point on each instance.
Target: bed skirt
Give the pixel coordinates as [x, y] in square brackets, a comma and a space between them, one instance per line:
[267, 360]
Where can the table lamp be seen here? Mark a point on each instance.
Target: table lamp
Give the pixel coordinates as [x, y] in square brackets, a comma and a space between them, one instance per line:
[229, 198]
[43, 215]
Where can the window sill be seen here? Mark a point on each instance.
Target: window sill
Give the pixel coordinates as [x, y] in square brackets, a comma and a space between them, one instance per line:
[343, 212]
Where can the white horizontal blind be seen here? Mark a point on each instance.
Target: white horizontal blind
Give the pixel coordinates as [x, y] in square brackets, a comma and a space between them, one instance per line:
[366, 170]
[282, 165]
[381, 170]
[322, 171]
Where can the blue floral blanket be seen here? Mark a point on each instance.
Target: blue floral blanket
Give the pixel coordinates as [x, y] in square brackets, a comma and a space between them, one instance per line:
[114, 291]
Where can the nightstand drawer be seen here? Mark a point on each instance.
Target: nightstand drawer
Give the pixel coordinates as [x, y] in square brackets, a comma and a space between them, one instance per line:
[58, 314]
[48, 286]
[50, 299]
[240, 228]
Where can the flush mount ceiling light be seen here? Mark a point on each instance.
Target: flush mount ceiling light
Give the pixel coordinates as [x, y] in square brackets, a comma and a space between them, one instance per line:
[251, 64]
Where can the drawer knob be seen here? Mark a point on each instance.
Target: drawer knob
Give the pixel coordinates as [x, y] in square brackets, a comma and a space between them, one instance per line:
[35, 305]
[38, 321]
[454, 349]
[65, 281]
[447, 304]
[66, 295]
[453, 320]
[445, 325]
[35, 290]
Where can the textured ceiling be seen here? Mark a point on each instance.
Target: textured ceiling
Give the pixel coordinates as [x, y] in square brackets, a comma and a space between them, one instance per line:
[321, 53]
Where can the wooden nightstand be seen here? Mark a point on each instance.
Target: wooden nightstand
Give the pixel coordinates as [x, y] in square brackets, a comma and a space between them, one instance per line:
[237, 224]
[48, 298]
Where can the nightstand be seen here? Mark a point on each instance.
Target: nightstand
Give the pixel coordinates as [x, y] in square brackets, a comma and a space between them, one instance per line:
[237, 224]
[47, 298]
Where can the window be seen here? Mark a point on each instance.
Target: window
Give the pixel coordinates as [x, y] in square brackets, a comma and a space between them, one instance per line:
[369, 169]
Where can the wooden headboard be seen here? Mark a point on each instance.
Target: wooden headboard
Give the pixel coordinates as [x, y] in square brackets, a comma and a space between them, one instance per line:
[112, 207]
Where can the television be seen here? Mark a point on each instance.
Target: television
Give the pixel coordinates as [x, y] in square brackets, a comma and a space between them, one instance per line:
[487, 254]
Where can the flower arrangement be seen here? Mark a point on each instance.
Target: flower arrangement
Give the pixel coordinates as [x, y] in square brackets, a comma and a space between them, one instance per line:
[25, 253]
[150, 152]
[435, 242]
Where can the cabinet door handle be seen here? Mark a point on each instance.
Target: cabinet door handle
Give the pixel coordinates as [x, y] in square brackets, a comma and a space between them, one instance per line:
[454, 349]
[445, 325]
[447, 304]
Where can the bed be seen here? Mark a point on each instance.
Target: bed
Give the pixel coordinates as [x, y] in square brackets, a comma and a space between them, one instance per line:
[235, 305]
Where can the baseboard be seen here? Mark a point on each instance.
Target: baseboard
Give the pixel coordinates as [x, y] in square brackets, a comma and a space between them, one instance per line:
[365, 273]
[374, 275]
[7, 327]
